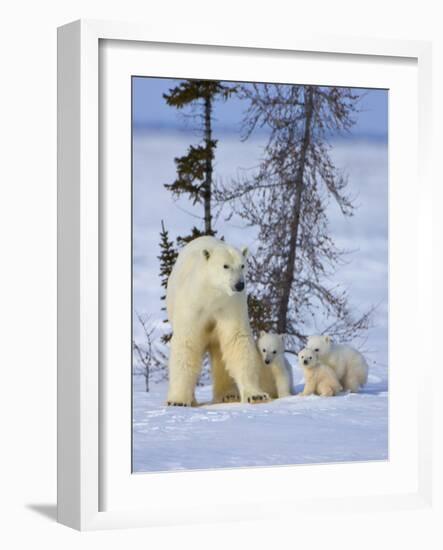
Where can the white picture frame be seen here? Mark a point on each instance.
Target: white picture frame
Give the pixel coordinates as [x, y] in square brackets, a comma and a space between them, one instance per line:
[81, 441]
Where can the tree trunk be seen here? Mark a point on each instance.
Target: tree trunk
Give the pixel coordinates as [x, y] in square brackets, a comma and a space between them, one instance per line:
[208, 168]
[147, 380]
[282, 319]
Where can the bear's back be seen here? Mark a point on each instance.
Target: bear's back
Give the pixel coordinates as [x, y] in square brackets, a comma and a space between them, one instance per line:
[344, 353]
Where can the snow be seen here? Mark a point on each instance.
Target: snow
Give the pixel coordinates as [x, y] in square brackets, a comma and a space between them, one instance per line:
[293, 430]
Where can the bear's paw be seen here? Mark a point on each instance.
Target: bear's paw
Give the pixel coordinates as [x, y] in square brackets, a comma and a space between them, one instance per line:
[231, 397]
[257, 398]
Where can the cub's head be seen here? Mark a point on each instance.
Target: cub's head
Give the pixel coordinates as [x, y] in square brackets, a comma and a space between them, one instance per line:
[307, 358]
[226, 268]
[320, 344]
[270, 346]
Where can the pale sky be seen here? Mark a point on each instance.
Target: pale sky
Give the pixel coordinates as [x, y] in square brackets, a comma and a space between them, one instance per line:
[150, 109]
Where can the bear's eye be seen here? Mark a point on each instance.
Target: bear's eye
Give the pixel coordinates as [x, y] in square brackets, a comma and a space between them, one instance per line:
[242, 266]
[263, 350]
[316, 349]
[226, 266]
[310, 358]
[274, 352]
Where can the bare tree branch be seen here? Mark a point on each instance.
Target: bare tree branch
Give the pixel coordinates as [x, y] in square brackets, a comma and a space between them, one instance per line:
[287, 198]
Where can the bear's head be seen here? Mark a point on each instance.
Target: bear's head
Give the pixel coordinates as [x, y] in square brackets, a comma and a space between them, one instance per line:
[307, 358]
[270, 346]
[320, 344]
[226, 268]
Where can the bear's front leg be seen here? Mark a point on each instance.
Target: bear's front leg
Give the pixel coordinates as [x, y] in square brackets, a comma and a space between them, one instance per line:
[282, 380]
[247, 380]
[325, 390]
[250, 392]
[224, 388]
[243, 364]
[185, 363]
[309, 388]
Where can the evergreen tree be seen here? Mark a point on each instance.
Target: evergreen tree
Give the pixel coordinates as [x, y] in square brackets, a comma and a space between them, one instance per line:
[195, 169]
[168, 255]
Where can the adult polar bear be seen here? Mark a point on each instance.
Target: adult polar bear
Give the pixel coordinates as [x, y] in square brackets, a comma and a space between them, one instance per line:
[207, 309]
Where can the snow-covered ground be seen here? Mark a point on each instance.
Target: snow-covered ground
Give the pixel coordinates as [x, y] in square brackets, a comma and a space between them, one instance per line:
[293, 430]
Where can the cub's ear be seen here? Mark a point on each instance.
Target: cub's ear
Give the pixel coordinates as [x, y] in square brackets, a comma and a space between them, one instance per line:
[328, 339]
[244, 250]
[282, 336]
[206, 254]
[262, 333]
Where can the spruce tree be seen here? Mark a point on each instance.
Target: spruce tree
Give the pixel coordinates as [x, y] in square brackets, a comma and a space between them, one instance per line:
[168, 255]
[195, 169]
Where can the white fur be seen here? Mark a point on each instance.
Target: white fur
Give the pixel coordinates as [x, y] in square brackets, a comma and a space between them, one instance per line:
[319, 379]
[208, 314]
[276, 374]
[349, 364]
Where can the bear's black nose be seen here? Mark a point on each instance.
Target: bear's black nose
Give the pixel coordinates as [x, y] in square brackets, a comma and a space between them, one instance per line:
[239, 286]
[267, 361]
[305, 361]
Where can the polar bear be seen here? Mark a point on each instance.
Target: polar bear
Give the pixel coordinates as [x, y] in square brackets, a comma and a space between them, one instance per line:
[349, 364]
[319, 379]
[207, 308]
[276, 375]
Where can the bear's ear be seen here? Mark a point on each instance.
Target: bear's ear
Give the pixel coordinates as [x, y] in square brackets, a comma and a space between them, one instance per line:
[206, 254]
[282, 336]
[328, 339]
[244, 250]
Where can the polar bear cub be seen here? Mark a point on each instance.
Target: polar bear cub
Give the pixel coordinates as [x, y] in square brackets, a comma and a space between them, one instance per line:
[319, 379]
[349, 364]
[277, 372]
